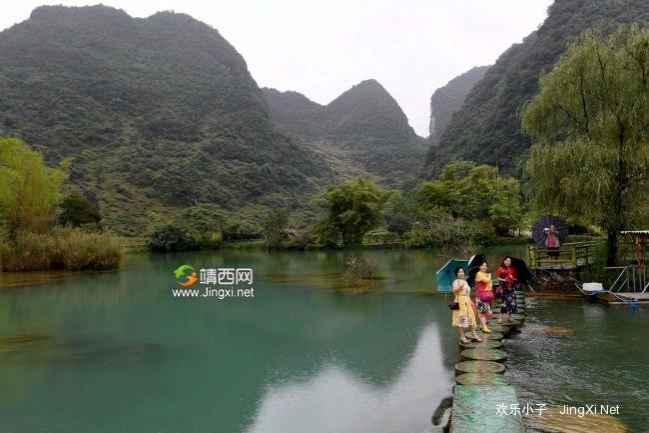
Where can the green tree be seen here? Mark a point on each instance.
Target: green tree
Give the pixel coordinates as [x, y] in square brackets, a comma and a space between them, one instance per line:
[29, 190]
[204, 224]
[194, 228]
[76, 211]
[399, 215]
[505, 211]
[169, 237]
[274, 228]
[590, 123]
[355, 208]
[475, 192]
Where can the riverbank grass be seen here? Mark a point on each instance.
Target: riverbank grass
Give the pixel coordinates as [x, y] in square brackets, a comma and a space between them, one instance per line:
[61, 249]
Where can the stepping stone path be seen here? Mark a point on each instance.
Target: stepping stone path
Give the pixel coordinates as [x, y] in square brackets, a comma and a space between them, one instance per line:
[482, 379]
[494, 327]
[484, 354]
[481, 385]
[482, 367]
[494, 321]
[474, 409]
[493, 336]
[487, 344]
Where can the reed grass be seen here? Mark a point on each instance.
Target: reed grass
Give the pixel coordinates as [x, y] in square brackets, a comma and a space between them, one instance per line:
[62, 248]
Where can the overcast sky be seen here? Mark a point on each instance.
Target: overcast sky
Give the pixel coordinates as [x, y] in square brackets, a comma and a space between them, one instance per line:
[323, 47]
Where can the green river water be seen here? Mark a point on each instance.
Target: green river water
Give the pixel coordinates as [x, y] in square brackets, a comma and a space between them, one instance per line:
[117, 352]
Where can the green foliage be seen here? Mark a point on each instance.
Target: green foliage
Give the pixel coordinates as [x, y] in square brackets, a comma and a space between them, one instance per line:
[29, 198]
[76, 211]
[505, 211]
[197, 227]
[62, 248]
[203, 223]
[29, 190]
[399, 215]
[473, 192]
[326, 232]
[590, 159]
[436, 226]
[274, 228]
[239, 230]
[168, 238]
[158, 112]
[364, 127]
[487, 127]
[355, 208]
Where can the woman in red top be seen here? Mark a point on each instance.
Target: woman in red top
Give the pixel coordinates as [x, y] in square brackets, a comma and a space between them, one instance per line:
[507, 276]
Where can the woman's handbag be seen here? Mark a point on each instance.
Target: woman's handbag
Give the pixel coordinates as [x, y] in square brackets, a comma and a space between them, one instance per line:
[486, 296]
[454, 305]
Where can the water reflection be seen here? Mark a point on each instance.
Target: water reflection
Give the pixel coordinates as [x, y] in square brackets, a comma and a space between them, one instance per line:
[210, 365]
[335, 399]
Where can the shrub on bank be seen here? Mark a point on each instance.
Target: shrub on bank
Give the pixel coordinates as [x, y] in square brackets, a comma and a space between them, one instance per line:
[62, 248]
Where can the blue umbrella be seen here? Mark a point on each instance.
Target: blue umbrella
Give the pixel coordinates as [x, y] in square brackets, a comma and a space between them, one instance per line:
[446, 275]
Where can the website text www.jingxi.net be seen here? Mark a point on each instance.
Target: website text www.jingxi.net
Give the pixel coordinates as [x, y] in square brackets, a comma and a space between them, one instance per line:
[218, 283]
[217, 293]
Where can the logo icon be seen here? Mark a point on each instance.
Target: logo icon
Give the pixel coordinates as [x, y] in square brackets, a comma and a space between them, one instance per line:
[186, 273]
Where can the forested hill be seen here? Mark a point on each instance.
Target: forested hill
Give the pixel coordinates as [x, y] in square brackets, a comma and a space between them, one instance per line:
[158, 112]
[364, 127]
[487, 128]
[448, 99]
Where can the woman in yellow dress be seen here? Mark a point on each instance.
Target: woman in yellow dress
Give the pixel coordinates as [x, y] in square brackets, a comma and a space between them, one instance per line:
[464, 316]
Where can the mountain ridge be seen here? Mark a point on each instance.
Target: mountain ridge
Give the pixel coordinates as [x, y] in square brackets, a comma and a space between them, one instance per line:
[365, 122]
[159, 113]
[487, 127]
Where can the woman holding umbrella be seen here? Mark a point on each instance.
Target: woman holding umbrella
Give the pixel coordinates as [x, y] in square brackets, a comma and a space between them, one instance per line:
[552, 241]
[508, 279]
[463, 316]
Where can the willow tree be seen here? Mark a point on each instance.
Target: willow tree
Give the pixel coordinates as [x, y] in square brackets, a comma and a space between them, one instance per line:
[29, 190]
[590, 123]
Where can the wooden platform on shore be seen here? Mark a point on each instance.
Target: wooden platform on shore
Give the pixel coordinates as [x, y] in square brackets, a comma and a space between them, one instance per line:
[568, 257]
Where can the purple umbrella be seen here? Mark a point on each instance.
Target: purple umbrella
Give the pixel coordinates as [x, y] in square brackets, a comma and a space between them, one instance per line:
[539, 229]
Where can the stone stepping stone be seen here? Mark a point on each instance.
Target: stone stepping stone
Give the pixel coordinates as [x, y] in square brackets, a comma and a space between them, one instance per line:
[488, 367]
[482, 354]
[482, 379]
[493, 336]
[494, 321]
[486, 343]
[474, 409]
[494, 327]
